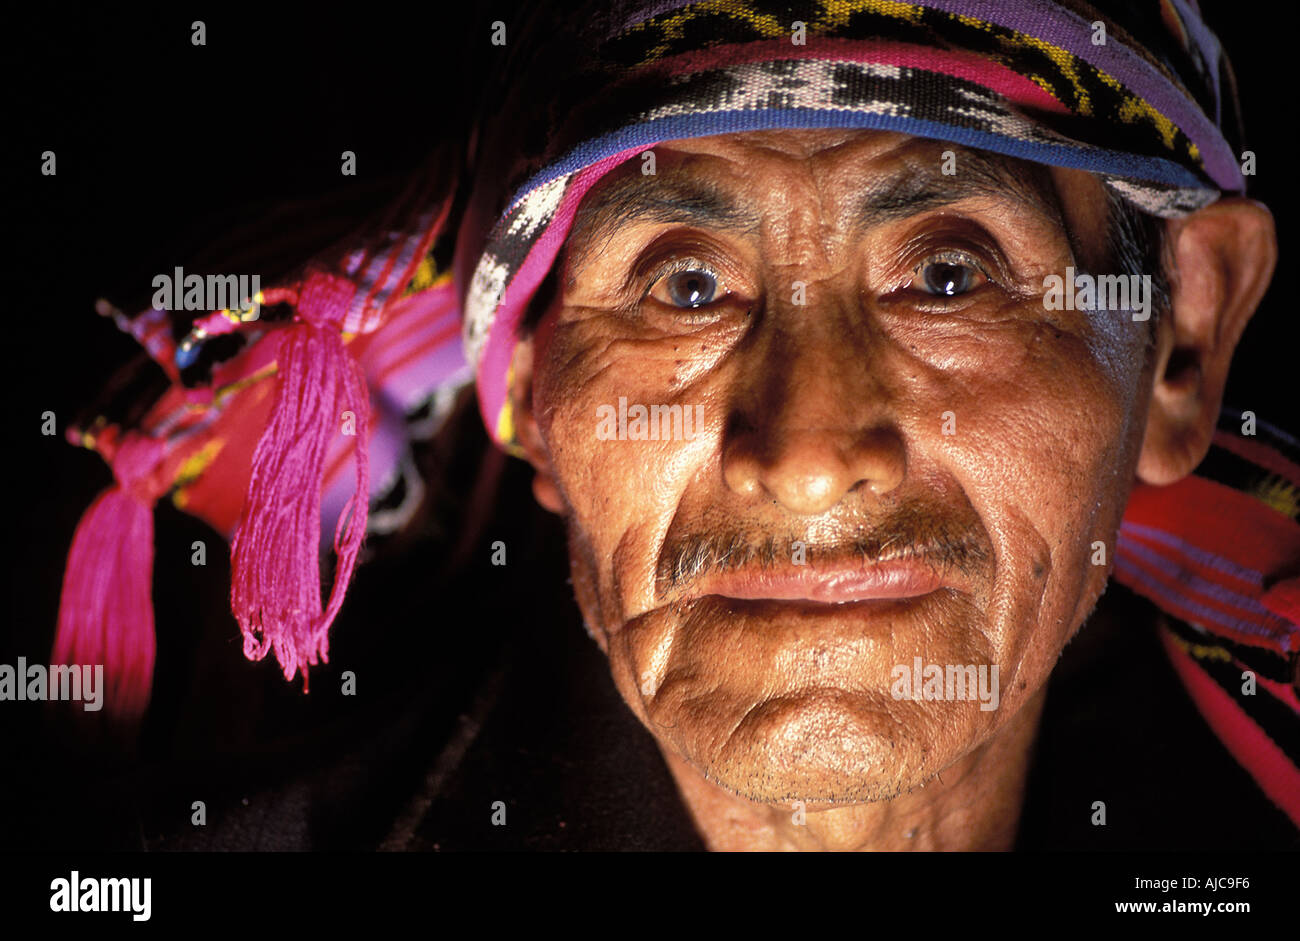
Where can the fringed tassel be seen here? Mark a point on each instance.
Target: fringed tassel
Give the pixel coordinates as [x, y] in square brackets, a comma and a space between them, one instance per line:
[275, 556]
[106, 608]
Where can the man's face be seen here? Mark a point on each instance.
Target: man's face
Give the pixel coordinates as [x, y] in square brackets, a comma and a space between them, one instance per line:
[896, 450]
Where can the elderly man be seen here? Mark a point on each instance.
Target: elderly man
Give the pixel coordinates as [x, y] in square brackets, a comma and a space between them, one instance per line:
[904, 453]
[856, 346]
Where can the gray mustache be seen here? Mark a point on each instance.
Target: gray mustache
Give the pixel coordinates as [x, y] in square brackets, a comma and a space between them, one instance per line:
[909, 535]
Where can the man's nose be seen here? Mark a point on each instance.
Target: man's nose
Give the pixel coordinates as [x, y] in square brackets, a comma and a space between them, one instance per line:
[813, 429]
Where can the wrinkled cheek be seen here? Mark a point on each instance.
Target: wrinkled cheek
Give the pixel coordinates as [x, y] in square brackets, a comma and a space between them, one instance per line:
[1084, 488]
[571, 386]
[604, 485]
[591, 486]
[564, 405]
[1042, 458]
[622, 491]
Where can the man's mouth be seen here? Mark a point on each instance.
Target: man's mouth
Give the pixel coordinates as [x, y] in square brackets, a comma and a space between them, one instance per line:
[824, 583]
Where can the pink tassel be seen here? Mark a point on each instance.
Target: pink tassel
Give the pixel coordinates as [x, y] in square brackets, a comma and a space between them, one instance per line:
[275, 588]
[106, 609]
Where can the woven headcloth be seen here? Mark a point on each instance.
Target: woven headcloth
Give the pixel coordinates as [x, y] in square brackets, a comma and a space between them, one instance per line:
[282, 421]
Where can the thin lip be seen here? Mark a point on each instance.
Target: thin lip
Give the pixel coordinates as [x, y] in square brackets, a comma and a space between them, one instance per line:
[834, 583]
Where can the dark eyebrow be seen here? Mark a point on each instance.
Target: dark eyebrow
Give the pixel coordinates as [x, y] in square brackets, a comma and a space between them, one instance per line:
[662, 198]
[978, 175]
[922, 186]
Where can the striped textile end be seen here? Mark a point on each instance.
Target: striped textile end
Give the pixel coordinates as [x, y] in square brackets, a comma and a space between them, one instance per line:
[1219, 553]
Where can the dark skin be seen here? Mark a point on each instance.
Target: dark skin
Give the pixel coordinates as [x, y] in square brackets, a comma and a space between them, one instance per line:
[823, 423]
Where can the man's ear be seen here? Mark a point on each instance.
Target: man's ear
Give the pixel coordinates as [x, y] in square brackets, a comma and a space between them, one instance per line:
[530, 437]
[1223, 258]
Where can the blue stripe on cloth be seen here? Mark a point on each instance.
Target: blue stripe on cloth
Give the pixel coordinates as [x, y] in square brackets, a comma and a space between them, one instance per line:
[1196, 554]
[1194, 582]
[1132, 573]
[678, 127]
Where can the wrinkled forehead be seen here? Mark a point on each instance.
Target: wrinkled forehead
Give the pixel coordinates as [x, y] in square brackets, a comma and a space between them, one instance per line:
[854, 179]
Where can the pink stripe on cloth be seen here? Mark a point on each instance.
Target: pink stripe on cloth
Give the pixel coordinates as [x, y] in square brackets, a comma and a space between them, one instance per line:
[1267, 763]
[405, 380]
[494, 364]
[387, 444]
[418, 349]
[954, 62]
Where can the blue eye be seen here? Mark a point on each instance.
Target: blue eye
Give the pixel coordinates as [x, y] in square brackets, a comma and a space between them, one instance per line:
[947, 278]
[691, 288]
